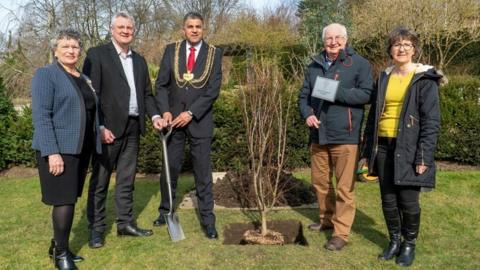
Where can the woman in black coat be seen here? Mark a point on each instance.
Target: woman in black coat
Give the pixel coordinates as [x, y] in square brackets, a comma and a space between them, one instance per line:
[400, 141]
[65, 119]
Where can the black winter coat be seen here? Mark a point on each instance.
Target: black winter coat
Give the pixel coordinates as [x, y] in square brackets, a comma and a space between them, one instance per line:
[418, 128]
[340, 121]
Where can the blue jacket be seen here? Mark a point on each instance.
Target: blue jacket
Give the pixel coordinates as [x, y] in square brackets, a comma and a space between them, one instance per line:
[58, 113]
[340, 120]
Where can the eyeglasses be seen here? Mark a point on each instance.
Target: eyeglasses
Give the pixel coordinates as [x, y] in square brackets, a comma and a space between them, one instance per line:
[406, 47]
[67, 47]
[332, 39]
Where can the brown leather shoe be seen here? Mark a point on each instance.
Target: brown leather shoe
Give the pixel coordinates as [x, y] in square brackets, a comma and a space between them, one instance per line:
[335, 243]
[319, 227]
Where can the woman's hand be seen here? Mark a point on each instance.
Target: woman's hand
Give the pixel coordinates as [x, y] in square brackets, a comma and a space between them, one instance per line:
[420, 169]
[55, 164]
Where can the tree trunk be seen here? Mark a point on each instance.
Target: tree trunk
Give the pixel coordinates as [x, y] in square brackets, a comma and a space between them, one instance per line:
[263, 215]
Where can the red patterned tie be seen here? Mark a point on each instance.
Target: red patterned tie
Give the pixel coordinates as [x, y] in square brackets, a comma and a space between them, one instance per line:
[191, 60]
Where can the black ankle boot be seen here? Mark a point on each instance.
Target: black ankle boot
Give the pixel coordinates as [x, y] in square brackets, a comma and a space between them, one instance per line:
[392, 249]
[407, 253]
[392, 218]
[411, 225]
[75, 258]
[63, 261]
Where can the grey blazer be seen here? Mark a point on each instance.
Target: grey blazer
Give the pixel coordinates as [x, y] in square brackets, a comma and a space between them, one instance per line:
[59, 113]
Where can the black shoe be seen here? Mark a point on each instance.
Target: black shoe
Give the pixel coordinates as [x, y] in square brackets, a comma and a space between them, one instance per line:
[96, 239]
[211, 232]
[74, 257]
[63, 261]
[407, 254]
[133, 230]
[392, 250]
[160, 221]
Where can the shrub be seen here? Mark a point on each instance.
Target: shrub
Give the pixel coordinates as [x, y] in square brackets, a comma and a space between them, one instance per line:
[7, 116]
[229, 148]
[460, 113]
[150, 153]
[21, 132]
[460, 116]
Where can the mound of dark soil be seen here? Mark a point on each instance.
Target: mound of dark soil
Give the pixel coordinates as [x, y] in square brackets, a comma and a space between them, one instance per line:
[236, 190]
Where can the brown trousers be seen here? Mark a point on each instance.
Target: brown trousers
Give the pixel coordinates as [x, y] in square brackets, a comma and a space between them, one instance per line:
[337, 209]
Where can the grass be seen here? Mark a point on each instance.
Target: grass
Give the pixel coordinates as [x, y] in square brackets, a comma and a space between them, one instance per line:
[449, 237]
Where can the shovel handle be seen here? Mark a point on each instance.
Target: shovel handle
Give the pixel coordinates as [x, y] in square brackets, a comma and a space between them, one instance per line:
[164, 134]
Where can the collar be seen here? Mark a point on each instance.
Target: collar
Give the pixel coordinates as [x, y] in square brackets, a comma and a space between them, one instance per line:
[419, 68]
[321, 58]
[120, 51]
[197, 47]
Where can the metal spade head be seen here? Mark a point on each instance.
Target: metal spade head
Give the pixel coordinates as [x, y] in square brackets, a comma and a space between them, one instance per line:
[174, 228]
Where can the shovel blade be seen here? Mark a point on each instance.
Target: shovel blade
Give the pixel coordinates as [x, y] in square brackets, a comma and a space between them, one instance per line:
[174, 228]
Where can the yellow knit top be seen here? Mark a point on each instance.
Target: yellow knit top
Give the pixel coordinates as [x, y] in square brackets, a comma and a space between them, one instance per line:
[395, 94]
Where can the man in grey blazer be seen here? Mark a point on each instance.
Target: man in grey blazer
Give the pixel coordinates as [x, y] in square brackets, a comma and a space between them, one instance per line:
[121, 78]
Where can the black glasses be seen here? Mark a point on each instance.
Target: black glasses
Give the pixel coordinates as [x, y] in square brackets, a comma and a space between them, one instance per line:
[406, 47]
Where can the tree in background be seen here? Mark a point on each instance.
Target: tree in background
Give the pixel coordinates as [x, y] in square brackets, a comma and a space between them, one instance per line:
[157, 23]
[315, 15]
[445, 27]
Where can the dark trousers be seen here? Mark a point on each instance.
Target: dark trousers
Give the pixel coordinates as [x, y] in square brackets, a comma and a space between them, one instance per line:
[404, 199]
[202, 172]
[120, 155]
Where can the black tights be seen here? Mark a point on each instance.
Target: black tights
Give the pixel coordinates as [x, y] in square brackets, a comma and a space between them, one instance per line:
[404, 199]
[62, 219]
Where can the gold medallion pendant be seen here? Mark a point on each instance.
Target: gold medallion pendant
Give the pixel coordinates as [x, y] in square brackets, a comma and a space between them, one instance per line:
[188, 76]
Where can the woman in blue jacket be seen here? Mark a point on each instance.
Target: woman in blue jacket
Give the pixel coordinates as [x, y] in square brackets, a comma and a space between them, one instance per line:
[64, 107]
[400, 141]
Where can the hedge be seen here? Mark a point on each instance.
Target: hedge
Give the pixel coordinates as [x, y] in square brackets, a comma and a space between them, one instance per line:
[460, 120]
[460, 107]
[16, 132]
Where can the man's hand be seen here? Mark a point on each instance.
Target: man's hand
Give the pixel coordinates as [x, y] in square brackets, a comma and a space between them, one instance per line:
[167, 116]
[420, 169]
[182, 120]
[107, 136]
[55, 164]
[312, 121]
[159, 123]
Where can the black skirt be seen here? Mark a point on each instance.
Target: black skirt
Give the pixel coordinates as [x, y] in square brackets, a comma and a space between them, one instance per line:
[67, 187]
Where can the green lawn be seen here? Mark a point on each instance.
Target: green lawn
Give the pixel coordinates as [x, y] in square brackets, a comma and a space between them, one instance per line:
[449, 237]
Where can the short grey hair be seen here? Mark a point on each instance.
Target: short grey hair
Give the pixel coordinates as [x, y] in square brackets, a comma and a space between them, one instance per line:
[68, 33]
[342, 27]
[123, 14]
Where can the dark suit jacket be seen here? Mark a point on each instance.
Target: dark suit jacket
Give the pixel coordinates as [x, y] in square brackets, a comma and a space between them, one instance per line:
[58, 112]
[171, 98]
[104, 68]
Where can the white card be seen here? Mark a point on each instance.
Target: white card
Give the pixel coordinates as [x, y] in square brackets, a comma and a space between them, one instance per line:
[325, 88]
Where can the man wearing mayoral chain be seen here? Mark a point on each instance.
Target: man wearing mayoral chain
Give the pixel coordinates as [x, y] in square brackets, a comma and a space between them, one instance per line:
[187, 85]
